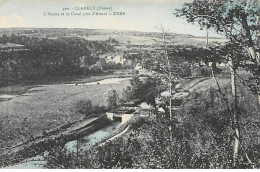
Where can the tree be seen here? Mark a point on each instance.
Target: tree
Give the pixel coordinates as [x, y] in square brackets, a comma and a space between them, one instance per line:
[84, 107]
[170, 76]
[146, 90]
[169, 65]
[111, 99]
[239, 22]
[232, 54]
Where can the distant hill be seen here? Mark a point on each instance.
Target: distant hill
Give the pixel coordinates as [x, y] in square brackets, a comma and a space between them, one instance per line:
[122, 36]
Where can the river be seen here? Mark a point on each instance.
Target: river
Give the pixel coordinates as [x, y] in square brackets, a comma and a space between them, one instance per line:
[37, 162]
[84, 143]
[104, 81]
[5, 97]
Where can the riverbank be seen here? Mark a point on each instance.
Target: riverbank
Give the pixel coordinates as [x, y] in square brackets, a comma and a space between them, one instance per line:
[38, 145]
[80, 135]
[8, 92]
[47, 107]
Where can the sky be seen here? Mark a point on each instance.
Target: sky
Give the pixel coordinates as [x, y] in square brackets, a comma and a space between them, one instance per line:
[140, 15]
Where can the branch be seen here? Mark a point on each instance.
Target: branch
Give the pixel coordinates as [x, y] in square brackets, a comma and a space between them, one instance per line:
[118, 162]
[240, 77]
[247, 157]
[227, 33]
[251, 163]
[220, 91]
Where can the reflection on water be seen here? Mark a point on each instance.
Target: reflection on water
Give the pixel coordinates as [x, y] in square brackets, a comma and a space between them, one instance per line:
[84, 143]
[87, 141]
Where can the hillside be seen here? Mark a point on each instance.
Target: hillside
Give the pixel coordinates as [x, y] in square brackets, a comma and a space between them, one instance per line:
[135, 37]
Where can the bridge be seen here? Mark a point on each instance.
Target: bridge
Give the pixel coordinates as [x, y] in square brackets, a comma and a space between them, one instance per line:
[121, 114]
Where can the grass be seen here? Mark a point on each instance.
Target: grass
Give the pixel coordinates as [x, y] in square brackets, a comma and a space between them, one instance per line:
[150, 40]
[46, 107]
[15, 90]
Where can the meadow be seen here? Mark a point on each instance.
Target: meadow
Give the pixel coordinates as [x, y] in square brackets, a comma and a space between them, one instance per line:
[46, 107]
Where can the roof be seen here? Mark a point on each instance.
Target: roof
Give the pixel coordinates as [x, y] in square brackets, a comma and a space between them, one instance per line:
[133, 103]
[166, 94]
[120, 111]
[146, 106]
[161, 109]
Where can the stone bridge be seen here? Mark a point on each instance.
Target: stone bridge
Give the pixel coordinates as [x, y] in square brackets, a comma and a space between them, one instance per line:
[123, 115]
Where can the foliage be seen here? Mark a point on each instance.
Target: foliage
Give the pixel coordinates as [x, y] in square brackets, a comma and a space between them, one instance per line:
[60, 158]
[178, 65]
[227, 17]
[41, 58]
[111, 99]
[85, 107]
[239, 22]
[199, 136]
[145, 89]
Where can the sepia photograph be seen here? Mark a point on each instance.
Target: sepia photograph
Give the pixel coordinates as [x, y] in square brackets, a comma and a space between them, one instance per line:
[129, 84]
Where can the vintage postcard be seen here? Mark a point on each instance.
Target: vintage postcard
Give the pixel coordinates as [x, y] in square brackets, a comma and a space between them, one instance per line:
[129, 84]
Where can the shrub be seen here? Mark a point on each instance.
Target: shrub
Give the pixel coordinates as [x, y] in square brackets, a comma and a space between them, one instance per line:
[84, 107]
[205, 71]
[111, 99]
[203, 138]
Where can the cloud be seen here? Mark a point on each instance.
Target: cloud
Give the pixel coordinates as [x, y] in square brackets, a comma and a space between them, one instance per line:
[4, 23]
[12, 21]
[19, 20]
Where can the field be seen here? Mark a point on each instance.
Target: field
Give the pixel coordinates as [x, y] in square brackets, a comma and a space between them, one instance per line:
[45, 107]
[150, 40]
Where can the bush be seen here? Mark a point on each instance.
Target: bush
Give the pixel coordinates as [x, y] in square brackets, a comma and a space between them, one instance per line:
[84, 107]
[205, 71]
[203, 138]
[146, 90]
[111, 99]
[185, 70]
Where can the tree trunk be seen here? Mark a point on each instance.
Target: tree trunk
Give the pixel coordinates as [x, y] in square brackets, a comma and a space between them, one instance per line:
[169, 70]
[258, 97]
[258, 43]
[77, 151]
[251, 50]
[255, 56]
[170, 103]
[235, 115]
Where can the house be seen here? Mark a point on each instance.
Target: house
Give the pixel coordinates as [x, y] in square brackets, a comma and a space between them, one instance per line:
[115, 58]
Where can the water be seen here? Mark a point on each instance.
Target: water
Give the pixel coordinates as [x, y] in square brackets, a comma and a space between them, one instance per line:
[86, 142]
[36, 162]
[90, 140]
[7, 96]
[104, 81]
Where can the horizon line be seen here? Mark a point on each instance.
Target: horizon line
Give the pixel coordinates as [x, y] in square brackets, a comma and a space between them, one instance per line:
[122, 30]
